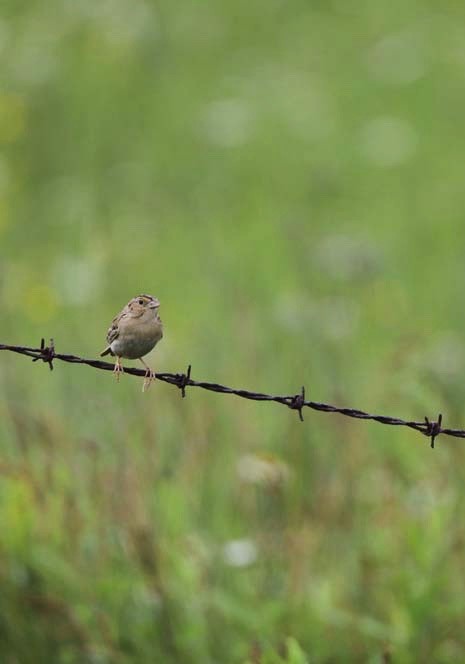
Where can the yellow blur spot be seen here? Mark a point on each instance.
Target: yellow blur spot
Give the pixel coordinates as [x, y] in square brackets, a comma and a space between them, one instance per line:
[40, 303]
[12, 117]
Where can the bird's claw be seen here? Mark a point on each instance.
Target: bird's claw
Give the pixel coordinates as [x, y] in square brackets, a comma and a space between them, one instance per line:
[118, 370]
[148, 379]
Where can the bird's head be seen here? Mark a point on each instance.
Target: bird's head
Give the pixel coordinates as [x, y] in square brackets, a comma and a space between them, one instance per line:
[142, 304]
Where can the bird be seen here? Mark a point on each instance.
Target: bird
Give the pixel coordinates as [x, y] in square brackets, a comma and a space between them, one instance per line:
[133, 333]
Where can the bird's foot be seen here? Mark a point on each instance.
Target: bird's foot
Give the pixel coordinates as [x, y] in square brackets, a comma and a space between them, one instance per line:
[148, 379]
[118, 370]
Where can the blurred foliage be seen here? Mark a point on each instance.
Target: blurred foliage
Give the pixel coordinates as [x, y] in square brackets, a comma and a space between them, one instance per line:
[287, 179]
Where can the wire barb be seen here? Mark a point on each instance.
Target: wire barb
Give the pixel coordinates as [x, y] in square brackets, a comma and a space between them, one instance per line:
[47, 353]
[183, 381]
[433, 429]
[298, 402]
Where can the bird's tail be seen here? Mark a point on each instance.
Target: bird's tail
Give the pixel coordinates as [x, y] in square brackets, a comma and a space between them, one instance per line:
[107, 351]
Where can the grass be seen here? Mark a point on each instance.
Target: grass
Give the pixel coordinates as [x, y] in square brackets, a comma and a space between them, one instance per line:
[287, 179]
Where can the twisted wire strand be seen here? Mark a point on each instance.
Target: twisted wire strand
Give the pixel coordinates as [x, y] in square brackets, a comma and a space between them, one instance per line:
[430, 428]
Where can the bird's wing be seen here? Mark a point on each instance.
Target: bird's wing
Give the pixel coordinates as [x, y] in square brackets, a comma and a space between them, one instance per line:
[113, 331]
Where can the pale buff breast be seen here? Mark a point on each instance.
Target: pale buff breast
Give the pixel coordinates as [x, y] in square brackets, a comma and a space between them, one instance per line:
[137, 338]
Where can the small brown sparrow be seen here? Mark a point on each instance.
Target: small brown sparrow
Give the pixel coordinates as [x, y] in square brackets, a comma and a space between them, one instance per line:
[134, 332]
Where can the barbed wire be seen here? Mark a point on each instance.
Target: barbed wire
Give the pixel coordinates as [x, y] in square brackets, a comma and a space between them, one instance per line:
[430, 428]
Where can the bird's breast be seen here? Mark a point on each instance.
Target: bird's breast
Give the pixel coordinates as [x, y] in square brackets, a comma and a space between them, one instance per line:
[135, 341]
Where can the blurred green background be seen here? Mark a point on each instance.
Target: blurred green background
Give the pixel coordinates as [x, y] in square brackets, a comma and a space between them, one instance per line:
[287, 178]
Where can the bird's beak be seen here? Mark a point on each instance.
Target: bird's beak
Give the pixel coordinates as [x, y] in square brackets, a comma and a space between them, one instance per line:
[154, 304]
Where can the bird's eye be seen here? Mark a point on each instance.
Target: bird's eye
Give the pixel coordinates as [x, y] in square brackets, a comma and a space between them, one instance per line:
[141, 301]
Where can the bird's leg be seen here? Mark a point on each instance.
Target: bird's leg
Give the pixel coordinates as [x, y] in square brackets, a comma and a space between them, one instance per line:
[118, 370]
[149, 376]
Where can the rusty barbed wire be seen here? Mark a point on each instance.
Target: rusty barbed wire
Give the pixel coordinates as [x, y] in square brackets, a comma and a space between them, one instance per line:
[429, 428]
